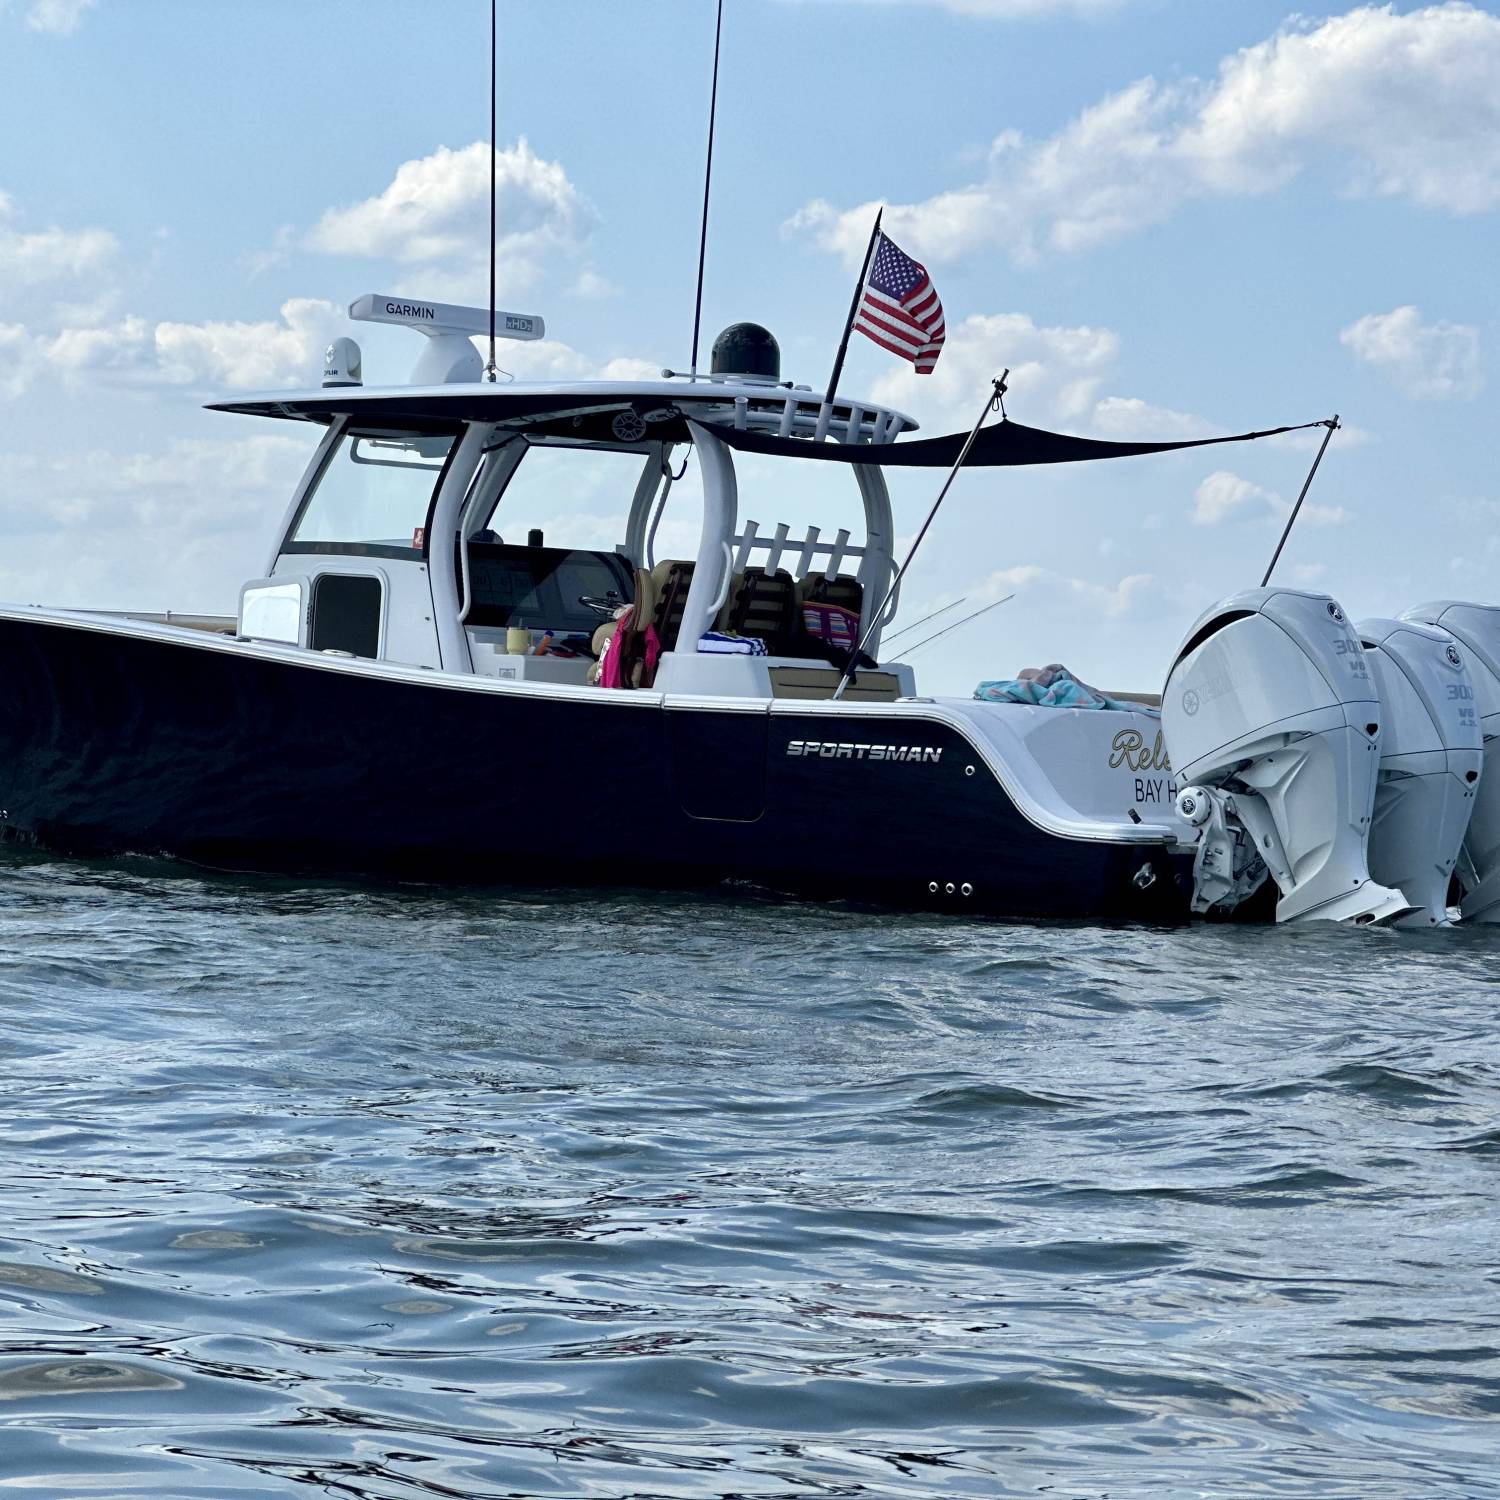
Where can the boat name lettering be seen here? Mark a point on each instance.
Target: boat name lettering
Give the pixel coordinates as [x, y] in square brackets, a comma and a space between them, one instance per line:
[846, 750]
[1129, 748]
[1157, 790]
[410, 310]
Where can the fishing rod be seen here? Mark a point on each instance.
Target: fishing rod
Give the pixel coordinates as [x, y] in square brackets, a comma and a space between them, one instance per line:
[992, 402]
[907, 629]
[957, 625]
[1333, 426]
[708, 174]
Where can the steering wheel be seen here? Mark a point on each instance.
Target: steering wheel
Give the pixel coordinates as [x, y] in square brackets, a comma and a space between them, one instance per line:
[605, 608]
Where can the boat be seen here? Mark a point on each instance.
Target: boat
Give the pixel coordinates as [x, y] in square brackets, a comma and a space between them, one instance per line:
[410, 691]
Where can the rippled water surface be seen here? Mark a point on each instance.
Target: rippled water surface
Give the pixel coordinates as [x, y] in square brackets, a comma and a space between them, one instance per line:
[402, 1193]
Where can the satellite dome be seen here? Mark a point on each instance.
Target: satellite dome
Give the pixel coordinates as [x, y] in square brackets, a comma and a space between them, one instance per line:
[746, 349]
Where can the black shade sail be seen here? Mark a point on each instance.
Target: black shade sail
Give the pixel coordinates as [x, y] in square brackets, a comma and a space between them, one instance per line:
[1006, 444]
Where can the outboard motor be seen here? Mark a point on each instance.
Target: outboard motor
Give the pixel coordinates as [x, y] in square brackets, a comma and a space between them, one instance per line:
[1476, 629]
[1431, 754]
[1273, 725]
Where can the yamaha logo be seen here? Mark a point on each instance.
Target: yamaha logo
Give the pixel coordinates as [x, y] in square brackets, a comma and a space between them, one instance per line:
[1190, 702]
[1454, 659]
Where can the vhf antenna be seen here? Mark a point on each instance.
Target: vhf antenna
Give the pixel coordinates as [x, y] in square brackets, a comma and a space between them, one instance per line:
[708, 175]
[490, 368]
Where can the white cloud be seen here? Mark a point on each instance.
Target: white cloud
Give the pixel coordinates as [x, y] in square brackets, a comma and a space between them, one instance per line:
[91, 528]
[250, 356]
[57, 17]
[1129, 419]
[16, 360]
[46, 257]
[234, 356]
[433, 218]
[551, 359]
[1309, 439]
[1312, 514]
[1407, 105]
[1137, 594]
[1055, 372]
[1431, 360]
[1224, 495]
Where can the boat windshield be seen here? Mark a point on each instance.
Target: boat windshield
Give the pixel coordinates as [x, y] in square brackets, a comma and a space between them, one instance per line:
[374, 489]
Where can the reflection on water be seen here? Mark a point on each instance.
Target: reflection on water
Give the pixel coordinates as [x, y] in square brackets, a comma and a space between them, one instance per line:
[399, 1193]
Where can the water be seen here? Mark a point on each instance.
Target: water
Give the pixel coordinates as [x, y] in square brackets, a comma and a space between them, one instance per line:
[406, 1194]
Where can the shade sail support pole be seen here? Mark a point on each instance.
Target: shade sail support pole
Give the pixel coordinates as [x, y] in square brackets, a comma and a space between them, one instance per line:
[991, 403]
[1332, 424]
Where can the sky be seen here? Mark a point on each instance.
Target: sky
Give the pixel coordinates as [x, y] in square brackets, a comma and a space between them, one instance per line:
[1166, 217]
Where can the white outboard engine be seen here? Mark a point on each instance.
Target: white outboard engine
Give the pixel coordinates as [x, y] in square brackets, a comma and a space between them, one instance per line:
[1272, 722]
[1431, 755]
[1476, 629]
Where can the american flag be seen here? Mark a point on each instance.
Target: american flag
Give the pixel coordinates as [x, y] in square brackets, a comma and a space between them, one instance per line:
[900, 308]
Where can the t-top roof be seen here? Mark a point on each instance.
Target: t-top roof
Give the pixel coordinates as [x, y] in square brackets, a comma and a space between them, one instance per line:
[755, 417]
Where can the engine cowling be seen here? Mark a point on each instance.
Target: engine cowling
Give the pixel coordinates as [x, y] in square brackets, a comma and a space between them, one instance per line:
[1270, 711]
[1476, 629]
[1431, 756]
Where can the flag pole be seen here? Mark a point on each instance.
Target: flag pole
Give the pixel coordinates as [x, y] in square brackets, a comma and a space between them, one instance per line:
[991, 403]
[838, 362]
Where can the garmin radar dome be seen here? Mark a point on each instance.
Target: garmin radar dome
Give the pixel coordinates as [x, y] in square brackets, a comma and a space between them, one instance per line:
[748, 352]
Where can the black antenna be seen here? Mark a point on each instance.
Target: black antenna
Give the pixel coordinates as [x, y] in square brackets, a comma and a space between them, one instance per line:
[708, 176]
[489, 369]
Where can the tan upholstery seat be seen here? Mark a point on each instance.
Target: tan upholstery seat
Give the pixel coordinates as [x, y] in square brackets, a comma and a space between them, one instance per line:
[670, 582]
[763, 606]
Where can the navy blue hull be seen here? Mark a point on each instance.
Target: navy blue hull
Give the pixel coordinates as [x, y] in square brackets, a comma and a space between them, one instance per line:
[114, 742]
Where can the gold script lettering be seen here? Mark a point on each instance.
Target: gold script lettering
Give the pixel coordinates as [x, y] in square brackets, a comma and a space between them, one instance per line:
[1129, 748]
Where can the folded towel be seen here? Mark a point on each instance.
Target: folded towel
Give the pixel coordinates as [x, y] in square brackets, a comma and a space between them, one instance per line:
[715, 643]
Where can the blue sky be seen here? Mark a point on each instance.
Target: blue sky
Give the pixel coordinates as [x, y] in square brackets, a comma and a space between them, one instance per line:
[1167, 216]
